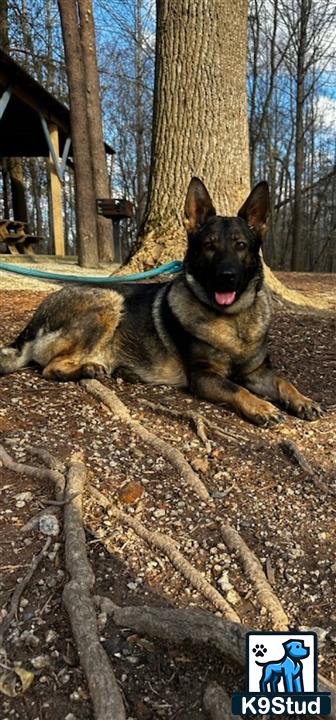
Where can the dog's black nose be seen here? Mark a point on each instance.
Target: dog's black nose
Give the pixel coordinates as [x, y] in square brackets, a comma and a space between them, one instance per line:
[227, 278]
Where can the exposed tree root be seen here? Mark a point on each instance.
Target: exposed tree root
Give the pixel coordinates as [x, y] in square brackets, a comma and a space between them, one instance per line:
[172, 625]
[105, 695]
[162, 542]
[217, 703]
[196, 418]
[52, 462]
[288, 295]
[179, 625]
[194, 626]
[156, 247]
[200, 422]
[170, 453]
[15, 600]
[257, 577]
[104, 691]
[38, 473]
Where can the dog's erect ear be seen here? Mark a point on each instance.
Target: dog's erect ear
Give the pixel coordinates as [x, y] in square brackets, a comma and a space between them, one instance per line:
[256, 208]
[198, 206]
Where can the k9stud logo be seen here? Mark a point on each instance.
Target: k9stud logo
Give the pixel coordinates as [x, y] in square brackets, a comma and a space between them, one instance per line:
[281, 676]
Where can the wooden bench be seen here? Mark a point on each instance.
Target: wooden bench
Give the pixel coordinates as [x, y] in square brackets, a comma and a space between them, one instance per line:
[18, 241]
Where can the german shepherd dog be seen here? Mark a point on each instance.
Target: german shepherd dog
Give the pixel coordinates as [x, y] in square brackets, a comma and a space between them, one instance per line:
[205, 330]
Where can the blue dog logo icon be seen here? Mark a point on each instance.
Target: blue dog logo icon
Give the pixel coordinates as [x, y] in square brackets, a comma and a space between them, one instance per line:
[288, 669]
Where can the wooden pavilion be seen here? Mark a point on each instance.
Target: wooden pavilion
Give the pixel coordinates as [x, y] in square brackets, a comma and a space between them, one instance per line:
[33, 123]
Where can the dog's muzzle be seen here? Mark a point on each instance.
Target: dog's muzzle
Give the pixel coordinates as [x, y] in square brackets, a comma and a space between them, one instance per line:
[226, 283]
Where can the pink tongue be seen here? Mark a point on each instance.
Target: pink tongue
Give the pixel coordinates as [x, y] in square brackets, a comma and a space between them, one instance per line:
[225, 298]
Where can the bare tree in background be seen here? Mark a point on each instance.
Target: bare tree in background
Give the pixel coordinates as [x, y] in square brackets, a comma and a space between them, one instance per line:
[290, 64]
[94, 115]
[94, 234]
[84, 187]
[127, 67]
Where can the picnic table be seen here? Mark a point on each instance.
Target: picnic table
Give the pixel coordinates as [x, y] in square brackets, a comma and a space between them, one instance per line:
[18, 241]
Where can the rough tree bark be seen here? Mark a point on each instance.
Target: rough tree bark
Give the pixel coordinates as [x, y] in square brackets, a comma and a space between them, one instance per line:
[84, 189]
[98, 158]
[200, 117]
[199, 125]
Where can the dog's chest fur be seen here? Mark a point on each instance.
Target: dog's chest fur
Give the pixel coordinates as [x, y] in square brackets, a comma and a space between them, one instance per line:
[238, 336]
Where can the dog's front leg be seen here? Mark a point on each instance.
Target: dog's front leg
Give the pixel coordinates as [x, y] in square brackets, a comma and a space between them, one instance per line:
[211, 386]
[265, 382]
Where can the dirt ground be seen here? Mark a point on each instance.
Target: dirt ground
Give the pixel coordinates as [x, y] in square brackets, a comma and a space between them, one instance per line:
[284, 515]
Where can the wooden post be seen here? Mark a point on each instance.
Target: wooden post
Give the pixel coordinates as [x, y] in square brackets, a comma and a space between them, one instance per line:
[56, 196]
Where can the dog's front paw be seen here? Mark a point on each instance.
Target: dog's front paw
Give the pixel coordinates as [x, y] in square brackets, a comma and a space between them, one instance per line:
[264, 414]
[296, 403]
[93, 370]
[307, 409]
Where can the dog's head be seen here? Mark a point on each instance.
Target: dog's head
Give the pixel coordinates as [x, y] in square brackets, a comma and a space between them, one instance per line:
[223, 252]
[295, 649]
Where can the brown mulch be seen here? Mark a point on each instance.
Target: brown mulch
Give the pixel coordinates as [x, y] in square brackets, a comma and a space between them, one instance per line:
[281, 513]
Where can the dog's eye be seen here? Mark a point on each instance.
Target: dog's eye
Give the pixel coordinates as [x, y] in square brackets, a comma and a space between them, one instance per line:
[208, 244]
[241, 245]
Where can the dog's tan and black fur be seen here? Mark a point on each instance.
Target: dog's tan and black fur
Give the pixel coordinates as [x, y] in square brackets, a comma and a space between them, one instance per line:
[205, 330]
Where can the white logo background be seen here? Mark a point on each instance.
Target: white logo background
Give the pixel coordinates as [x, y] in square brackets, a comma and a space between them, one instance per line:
[273, 643]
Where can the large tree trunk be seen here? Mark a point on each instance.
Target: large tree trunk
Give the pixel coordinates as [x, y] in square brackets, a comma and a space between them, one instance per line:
[199, 124]
[84, 188]
[98, 157]
[200, 117]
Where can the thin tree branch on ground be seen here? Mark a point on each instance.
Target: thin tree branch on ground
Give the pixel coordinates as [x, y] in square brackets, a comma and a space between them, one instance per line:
[170, 453]
[104, 691]
[253, 569]
[291, 450]
[168, 546]
[217, 703]
[15, 600]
